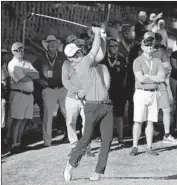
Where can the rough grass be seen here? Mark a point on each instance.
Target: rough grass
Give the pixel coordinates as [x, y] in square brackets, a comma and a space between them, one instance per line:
[45, 167]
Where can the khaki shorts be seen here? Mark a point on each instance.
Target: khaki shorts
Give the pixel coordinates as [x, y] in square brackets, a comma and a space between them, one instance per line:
[145, 106]
[164, 101]
[21, 105]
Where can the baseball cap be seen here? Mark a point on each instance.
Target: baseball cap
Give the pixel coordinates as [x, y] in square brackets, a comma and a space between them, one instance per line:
[125, 27]
[71, 49]
[152, 16]
[161, 21]
[149, 38]
[16, 46]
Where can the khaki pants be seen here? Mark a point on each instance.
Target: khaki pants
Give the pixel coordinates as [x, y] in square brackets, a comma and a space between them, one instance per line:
[50, 99]
[73, 109]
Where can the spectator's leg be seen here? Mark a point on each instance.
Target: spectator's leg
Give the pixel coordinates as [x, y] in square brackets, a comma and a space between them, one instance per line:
[49, 103]
[136, 133]
[149, 133]
[15, 128]
[72, 112]
[21, 130]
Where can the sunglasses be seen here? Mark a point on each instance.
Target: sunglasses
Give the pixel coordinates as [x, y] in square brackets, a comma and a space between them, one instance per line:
[113, 46]
[149, 45]
[21, 49]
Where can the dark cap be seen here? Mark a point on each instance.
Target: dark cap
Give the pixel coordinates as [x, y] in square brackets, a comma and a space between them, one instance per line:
[149, 38]
[125, 27]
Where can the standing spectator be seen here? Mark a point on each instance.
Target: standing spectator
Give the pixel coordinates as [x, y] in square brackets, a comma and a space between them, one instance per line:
[161, 29]
[164, 89]
[148, 73]
[127, 41]
[98, 107]
[140, 26]
[73, 105]
[173, 84]
[22, 74]
[49, 66]
[4, 85]
[153, 18]
[117, 67]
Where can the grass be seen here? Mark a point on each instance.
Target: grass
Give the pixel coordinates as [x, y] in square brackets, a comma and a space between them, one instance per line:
[45, 166]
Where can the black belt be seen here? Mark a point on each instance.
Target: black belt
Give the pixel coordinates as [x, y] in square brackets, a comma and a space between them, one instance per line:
[54, 87]
[99, 102]
[21, 91]
[151, 90]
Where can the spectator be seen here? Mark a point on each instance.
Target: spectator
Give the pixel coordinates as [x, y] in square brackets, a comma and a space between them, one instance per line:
[153, 18]
[148, 73]
[164, 89]
[140, 26]
[22, 74]
[173, 84]
[117, 67]
[161, 29]
[49, 66]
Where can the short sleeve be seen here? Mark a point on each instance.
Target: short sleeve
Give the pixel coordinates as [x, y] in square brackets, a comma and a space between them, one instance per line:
[136, 66]
[15, 72]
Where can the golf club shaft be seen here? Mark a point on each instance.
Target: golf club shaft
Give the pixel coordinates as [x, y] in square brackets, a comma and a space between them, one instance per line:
[63, 20]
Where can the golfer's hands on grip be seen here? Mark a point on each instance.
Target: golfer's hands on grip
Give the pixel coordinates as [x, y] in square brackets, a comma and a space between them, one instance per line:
[96, 30]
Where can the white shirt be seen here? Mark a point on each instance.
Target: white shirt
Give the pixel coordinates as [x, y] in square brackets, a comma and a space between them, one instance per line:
[17, 71]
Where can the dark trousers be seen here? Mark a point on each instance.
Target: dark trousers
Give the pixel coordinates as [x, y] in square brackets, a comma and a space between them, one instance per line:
[95, 114]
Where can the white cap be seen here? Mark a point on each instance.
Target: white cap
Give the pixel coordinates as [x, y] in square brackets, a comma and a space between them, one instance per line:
[161, 21]
[152, 16]
[142, 13]
[71, 49]
[16, 46]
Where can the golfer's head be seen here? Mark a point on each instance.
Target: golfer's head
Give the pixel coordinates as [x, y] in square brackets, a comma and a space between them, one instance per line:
[73, 53]
[18, 50]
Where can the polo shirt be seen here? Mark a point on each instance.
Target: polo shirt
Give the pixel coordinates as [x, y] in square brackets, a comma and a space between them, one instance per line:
[70, 79]
[91, 79]
[44, 66]
[16, 71]
[140, 64]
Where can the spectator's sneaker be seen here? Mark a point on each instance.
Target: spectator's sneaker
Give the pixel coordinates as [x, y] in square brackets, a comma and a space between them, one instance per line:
[149, 151]
[95, 177]
[169, 140]
[68, 172]
[15, 150]
[134, 151]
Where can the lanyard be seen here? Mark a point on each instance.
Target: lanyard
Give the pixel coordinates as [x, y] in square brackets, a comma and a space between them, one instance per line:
[149, 66]
[112, 64]
[53, 62]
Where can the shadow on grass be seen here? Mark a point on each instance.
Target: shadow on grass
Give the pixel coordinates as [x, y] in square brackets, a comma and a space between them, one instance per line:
[171, 177]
